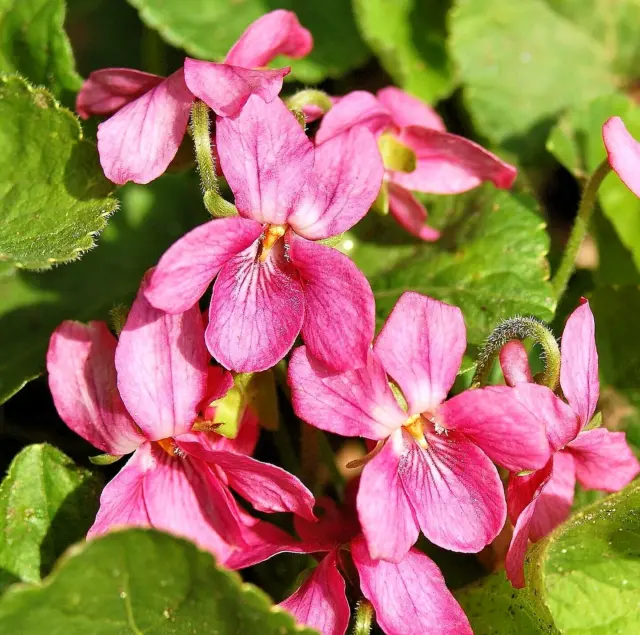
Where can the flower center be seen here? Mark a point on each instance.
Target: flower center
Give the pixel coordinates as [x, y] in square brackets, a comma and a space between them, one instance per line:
[414, 426]
[395, 155]
[271, 235]
[170, 447]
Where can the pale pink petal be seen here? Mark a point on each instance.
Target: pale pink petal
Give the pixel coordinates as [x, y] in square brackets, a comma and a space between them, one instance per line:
[358, 108]
[388, 521]
[122, 501]
[267, 487]
[226, 88]
[276, 33]
[408, 110]
[346, 180]
[257, 310]
[410, 596]
[82, 380]
[514, 362]
[187, 268]
[356, 403]
[185, 498]
[455, 491]
[162, 366]
[421, 346]
[266, 158]
[508, 424]
[449, 164]
[554, 502]
[410, 213]
[339, 319]
[624, 153]
[321, 602]
[579, 363]
[603, 460]
[107, 90]
[139, 142]
[519, 493]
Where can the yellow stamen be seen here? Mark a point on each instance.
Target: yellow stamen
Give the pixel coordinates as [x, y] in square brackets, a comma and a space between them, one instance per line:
[168, 446]
[272, 234]
[413, 425]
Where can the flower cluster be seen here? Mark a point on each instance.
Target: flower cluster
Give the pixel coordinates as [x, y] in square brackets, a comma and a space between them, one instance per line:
[153, 391]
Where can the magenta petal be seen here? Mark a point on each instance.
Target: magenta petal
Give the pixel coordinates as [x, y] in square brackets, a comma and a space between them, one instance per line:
[185, 498]
[266, 158]
[257, 310]
[356, 403]
[191, 263]
[523, 495]
[226, 88]
[410, 213]
[122, 501]
[267, 487]
[455, 491]
[82, 380]
[321, 602]
[162, 366]
[624, 153]
[509, 423]
[603, 460]
[276, 33]
[358, 108]
[554, 502]
[514, 362]
[336, 526]
[347, 175]
[339, 311]
[449, 164]
[579, 363]
[421, 346]
[410, 596]
[408, 110]
[139, 142]
[386, 515]
[107, 90]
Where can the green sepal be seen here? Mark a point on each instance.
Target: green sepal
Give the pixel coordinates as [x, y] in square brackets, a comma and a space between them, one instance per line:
[596, 422]
[104, 459]
[381, 204]
[395, 155]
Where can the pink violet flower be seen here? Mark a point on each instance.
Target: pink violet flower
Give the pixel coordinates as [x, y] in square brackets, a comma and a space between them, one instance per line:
[142, 394]
[150, 113]
[623, 152]
[445, 163]
[273, 279]
[596, 458]
[409, 596]
[431, 469]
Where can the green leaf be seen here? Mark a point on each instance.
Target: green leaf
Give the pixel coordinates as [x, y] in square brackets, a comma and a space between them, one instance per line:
[577, 143]
[617, 338]
[53, 197]
[491, 263]
[33, 304]
[138, 582]
[33, 43]
[513, 58]
[587, 571]
[494, 607]
[209, 29]
[409, 38]
[46, 503]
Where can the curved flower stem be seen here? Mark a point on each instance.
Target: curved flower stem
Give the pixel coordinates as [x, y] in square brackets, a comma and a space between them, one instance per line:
[579, 230]
[519, 328]
[201, 133]
[363, 618]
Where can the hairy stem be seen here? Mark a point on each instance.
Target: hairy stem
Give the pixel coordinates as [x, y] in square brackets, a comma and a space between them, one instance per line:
[363, 618]
[579, 230]
[519, 328]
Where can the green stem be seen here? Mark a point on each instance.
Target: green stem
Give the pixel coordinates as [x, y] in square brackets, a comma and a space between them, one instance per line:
[363, 618]
[519, 328]
[201, 133]
[579, 230]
